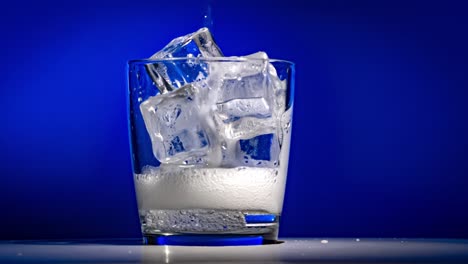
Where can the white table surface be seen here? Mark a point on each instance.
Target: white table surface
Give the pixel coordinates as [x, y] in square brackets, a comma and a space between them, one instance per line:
[332, 250]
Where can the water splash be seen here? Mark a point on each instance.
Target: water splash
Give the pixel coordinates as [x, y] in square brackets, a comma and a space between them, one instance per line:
[208, 15]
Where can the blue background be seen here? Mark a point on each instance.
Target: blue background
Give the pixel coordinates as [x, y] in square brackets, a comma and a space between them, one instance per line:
[380, 135]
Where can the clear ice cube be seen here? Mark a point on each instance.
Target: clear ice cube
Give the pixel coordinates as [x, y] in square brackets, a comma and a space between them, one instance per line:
[217, 113]
[246, 96]
[199, 43]
[248, 127]
[178, 73]
[235, 67]
[175, 127]
[244, 87]
[238, 108]
[279, 89]
[260, 151]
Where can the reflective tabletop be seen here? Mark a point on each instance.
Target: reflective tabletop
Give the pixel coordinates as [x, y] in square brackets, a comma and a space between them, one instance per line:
[311, 250]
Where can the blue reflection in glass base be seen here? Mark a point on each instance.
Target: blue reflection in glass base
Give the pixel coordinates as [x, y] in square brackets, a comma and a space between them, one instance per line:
[264, 218]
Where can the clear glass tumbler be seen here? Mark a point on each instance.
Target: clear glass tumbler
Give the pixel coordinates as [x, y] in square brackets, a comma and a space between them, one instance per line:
[210, 143]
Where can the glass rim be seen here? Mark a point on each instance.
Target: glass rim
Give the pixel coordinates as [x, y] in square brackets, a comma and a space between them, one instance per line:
[207, 59]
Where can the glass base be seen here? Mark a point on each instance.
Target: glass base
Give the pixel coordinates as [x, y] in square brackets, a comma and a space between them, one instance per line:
[209, 227]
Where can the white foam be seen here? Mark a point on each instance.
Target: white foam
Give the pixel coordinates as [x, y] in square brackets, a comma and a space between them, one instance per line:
[241, 188]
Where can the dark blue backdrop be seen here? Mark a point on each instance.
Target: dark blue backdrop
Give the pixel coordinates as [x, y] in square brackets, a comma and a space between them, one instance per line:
[380, 135]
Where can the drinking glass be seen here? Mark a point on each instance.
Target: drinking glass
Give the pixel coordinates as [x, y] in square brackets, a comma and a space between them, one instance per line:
[210, 142]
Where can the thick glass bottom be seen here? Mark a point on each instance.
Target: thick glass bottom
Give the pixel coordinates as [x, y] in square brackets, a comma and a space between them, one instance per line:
[210, 227]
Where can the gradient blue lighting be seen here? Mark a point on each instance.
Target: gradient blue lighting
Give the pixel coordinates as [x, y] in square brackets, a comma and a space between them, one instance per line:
[379, 135]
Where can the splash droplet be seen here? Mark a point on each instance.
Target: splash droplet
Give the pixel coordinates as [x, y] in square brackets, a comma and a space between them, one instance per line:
[207, 16]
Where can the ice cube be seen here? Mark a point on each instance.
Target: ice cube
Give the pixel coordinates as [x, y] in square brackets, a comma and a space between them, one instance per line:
[284, 129]
[234, 67]
[244, 87]
[279, 89]
[248, 127]
[178, 73]
[246, 104]
[175, 127]
[260, 151]
[199, 43]
[238, 108]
